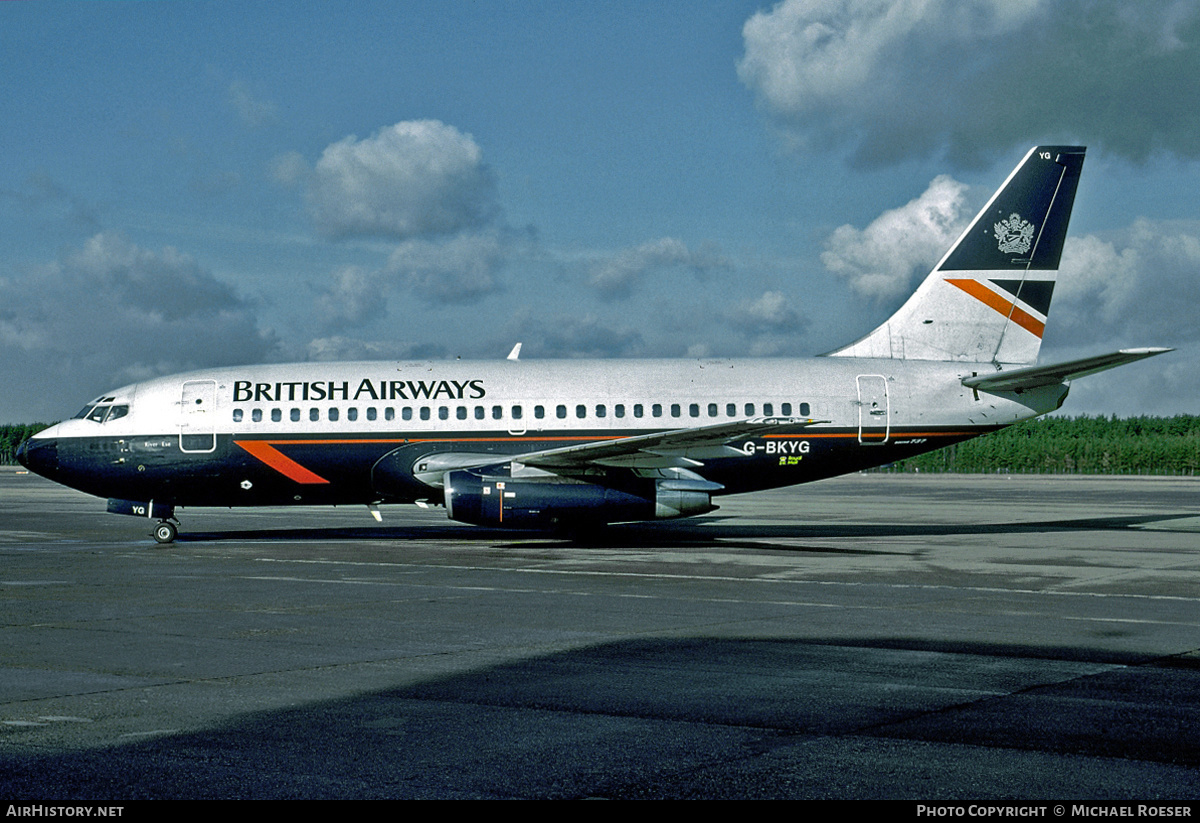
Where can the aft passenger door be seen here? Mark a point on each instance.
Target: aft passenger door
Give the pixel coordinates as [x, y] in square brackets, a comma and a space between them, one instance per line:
[874, 416]
[197, 416]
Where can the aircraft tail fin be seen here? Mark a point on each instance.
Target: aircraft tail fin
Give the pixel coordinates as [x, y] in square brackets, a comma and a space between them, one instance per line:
[988, 298]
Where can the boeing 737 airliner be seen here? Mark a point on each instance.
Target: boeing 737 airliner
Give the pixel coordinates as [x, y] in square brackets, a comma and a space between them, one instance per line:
[554, 444]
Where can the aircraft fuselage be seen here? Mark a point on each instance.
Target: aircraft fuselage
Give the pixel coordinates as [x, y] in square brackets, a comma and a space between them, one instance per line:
[324, 433]
[553, 443]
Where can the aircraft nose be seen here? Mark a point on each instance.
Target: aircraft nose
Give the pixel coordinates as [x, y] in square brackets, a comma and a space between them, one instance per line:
[39, 455]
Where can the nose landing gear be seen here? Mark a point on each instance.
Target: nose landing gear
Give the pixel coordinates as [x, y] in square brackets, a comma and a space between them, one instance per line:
[165, 531]
[167, 528]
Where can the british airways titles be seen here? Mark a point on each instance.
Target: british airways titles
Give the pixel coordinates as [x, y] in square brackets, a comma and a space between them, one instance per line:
[247, 391]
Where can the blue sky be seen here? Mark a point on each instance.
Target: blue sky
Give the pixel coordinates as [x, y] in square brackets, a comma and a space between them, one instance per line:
[191, 184]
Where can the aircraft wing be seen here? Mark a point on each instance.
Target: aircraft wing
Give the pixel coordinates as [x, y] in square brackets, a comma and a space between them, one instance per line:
[678, 447]
[1036, 376]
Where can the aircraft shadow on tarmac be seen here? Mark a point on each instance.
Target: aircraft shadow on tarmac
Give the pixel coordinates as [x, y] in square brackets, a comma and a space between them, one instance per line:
[882, 717]
[698, 532]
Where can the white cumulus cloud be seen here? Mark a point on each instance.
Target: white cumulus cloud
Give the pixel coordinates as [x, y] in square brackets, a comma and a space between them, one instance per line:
[889, 79]
[458, 270]
[884, 260]
[352, 299]
[1137, 286]
[617, 275]
[770, 312]
[415, 179]
[112, 312]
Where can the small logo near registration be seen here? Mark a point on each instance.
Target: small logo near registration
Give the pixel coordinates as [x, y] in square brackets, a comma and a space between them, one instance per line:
[1014, 234]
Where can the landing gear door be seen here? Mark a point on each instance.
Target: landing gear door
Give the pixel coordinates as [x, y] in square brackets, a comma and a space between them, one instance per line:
[874, 416]
[197, 416]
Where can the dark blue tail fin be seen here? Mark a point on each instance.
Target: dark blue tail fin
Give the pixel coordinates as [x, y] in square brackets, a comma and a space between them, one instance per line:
[989, 297]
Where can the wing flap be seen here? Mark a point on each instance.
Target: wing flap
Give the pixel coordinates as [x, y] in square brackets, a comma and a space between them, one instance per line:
[674, 448]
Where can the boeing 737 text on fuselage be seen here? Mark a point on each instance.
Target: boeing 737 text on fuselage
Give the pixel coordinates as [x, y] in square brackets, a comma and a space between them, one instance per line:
[562, 444]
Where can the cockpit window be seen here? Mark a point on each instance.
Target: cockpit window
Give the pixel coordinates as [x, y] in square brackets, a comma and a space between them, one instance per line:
[102, 413]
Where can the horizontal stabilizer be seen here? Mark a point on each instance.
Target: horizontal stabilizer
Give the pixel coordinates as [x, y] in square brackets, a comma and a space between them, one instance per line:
[1034, 377]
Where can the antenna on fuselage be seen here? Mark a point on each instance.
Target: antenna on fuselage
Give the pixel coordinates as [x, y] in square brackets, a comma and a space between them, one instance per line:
[515, 354]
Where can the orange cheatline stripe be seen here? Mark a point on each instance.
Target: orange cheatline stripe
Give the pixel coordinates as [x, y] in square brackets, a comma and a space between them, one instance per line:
[265, 450]
[854, 434]
[994, 301]
[349, 441]
[280, 462]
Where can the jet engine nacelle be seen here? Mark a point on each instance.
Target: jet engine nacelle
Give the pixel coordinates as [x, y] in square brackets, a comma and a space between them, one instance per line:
[546, 502]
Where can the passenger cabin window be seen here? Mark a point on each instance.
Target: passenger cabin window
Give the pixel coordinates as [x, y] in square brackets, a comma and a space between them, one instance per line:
[237, 415]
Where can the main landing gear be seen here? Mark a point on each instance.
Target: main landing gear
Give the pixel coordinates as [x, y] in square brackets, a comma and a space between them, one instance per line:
[166, 531]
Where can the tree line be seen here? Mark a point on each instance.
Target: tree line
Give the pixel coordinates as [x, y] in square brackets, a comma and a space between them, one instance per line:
[1047, 445]
[13, 435]
[1074, 445]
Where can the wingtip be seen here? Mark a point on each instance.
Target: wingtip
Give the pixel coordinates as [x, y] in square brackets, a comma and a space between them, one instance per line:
[1148, 351]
